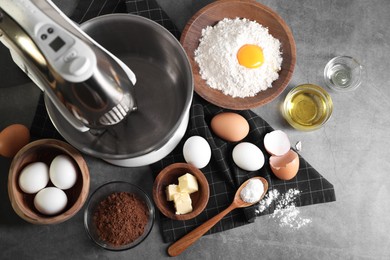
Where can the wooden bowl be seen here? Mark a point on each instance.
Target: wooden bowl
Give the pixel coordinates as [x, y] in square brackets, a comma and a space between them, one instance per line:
[170, 175]
[250, 9]
[46, 150]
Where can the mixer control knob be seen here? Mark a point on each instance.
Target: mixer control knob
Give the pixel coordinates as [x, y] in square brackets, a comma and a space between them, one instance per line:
[78, 66]
[70, 55]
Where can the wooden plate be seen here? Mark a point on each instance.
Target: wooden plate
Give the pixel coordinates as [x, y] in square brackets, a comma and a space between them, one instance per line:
[211, 15]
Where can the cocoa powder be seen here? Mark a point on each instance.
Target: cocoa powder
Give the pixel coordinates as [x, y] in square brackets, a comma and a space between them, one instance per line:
[121, 218]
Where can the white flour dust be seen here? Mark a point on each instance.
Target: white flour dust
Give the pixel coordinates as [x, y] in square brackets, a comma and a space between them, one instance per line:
[217, 57]
[285, 211]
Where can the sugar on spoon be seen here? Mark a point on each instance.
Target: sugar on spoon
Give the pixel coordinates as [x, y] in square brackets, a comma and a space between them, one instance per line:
[180, 245]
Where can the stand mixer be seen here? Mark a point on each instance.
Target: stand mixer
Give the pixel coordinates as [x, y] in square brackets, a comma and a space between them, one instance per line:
[89, 86]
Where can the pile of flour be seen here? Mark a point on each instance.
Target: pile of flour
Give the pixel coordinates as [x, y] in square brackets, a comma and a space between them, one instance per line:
[217, 57]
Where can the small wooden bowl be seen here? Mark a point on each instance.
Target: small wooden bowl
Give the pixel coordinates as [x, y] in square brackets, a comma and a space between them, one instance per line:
[250, 9]
[170, 175]
[46, 150]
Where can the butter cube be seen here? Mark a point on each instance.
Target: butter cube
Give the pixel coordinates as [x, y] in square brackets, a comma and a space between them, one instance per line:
[183, 203]
[188, 183]
[171, 190]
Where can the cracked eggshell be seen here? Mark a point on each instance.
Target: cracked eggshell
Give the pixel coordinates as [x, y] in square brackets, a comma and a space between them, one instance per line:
[277, 143]
[285, 167]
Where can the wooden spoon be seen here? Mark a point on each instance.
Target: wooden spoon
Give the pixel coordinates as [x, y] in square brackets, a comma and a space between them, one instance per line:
[180, 245]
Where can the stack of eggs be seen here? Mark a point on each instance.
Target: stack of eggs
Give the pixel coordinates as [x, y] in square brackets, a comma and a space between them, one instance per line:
[233, 127]
[35, 179]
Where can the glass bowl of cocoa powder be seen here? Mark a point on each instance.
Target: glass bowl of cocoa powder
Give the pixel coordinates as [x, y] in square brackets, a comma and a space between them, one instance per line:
[119, 216]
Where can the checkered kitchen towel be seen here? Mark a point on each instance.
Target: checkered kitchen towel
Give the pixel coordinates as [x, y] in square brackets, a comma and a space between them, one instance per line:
[223, 175]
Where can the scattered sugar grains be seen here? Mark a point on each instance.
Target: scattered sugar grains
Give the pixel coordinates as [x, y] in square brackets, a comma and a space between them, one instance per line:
[285, 211]
[217, 57]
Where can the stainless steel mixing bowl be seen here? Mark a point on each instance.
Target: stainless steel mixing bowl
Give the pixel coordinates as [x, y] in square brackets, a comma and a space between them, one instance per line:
[163, 93]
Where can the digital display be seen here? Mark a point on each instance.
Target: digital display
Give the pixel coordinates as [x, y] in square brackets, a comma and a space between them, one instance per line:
[57, 43]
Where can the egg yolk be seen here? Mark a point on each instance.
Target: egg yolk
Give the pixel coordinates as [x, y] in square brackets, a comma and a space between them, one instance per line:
[250, 56]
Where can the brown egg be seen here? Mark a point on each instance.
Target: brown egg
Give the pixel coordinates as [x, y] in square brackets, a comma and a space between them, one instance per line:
[230, 126]
[285, 167]
[12, 139]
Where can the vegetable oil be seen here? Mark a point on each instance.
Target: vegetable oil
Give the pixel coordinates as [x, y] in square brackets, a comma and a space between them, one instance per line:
[307, 107]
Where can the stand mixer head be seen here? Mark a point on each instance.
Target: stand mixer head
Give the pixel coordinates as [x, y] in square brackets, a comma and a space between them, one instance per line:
[89, 86]
[92, 86]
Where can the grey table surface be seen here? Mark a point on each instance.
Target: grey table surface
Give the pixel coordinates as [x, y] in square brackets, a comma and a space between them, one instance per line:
[351, 151]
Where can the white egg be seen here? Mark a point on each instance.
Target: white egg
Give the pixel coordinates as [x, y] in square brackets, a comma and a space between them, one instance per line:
[248, 156]
[50, 201]
[197, 151]
[34, 177]
[63, 173]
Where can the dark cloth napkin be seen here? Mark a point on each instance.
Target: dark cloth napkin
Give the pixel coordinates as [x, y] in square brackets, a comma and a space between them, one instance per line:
[223, 175]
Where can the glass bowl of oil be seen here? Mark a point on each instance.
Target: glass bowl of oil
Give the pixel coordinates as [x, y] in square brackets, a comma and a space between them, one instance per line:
[343, 73]
[307, 107]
